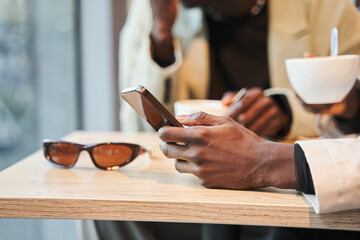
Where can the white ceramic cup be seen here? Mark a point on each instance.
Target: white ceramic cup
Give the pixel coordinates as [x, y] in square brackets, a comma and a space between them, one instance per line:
[213, 107]
[322, 80]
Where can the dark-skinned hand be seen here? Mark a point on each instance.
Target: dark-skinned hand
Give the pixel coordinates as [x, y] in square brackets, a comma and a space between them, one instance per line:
[164, 16]
[346, 109]
[257, 112]
[224, 154]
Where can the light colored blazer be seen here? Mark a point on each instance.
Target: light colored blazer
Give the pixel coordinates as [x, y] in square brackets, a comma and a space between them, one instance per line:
[295, 26]
[335, 169]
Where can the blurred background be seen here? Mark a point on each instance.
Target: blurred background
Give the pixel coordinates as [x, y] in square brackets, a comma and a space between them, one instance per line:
[58, 73]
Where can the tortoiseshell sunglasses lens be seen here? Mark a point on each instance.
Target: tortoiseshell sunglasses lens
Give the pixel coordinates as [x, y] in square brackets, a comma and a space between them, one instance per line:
[64, 154]
[112, 155]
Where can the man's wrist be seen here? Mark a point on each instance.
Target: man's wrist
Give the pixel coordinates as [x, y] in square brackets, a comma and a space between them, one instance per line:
[279, 170]
[162, 48]
[161, 32]
[160, 37]
[351, 106]
[350, 123]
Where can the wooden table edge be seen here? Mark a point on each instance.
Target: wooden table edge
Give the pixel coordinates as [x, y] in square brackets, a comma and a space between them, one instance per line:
[187, 212]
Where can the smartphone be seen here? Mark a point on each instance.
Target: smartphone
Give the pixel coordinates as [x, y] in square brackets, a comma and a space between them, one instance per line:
[149, 108]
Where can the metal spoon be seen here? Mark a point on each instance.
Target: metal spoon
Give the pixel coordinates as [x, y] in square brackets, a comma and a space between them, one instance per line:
[334, 42]
[334, 45]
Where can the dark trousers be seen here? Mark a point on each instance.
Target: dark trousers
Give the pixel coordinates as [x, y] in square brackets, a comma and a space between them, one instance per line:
[127, 230]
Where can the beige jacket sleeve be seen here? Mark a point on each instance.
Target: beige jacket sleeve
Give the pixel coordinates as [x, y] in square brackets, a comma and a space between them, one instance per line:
[335, 169]
[138, 68]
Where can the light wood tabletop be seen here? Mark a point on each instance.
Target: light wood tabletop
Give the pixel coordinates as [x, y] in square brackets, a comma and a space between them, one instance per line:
[148, 189]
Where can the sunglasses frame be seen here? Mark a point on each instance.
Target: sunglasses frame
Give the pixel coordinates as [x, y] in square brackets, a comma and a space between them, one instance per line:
[136, 151]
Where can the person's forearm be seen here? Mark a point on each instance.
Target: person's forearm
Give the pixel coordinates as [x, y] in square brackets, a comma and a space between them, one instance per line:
[164, 15]
[351, 105]
[162, 47]
[279, 171]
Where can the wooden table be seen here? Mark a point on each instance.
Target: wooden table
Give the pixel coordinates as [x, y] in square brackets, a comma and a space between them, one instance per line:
[149, 189]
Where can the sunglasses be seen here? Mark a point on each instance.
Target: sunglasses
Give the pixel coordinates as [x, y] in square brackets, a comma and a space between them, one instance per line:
[106, 156]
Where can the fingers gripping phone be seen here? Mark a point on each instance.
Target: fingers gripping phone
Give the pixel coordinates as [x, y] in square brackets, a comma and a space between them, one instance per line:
[149, 108]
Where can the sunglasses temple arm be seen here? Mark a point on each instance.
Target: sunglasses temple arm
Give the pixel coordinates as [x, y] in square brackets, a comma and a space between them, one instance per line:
[144, 150]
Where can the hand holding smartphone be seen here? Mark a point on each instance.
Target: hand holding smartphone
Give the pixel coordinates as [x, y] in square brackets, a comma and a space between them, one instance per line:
[149, 108]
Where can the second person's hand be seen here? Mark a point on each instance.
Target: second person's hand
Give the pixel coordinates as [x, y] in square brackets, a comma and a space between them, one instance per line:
[257, 112]
[346, 109]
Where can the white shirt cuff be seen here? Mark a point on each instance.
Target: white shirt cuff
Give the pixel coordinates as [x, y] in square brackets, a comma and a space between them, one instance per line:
[335, 167]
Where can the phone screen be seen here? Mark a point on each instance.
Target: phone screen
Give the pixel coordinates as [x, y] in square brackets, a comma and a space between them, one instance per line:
[149, 108]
